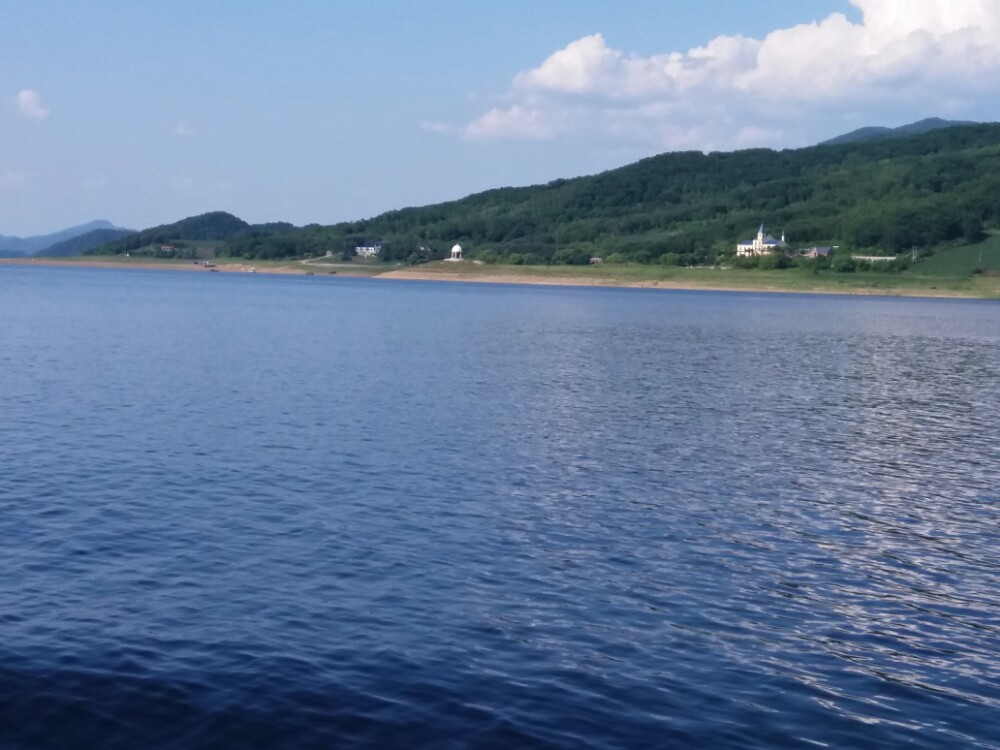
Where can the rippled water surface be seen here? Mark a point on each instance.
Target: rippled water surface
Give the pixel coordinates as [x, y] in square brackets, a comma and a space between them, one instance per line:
[250, 512]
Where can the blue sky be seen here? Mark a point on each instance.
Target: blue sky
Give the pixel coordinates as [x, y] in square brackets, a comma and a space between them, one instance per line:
[324, 111]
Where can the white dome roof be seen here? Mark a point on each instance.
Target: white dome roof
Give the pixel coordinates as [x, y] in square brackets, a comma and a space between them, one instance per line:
[457, 249]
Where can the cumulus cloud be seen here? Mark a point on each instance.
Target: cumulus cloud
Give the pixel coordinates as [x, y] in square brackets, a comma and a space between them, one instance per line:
[517, 121]
[925, 56]
[29, 103]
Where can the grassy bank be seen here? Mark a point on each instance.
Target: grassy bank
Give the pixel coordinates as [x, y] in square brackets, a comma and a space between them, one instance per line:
[963, 261]
[789, 280]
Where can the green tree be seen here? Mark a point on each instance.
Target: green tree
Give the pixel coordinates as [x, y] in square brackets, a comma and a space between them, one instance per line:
[843, 263]
[768, 262]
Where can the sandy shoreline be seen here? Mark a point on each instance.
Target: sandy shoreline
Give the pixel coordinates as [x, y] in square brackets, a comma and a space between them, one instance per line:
[289, 268]
[420, 274]
[665, 284]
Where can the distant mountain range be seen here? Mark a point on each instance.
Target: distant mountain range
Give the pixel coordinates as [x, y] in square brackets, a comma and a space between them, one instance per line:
[878, 133]
[70, 241]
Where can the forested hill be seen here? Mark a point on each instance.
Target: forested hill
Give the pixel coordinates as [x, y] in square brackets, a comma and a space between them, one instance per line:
[877, 133]
[924, 190]
[217, 225]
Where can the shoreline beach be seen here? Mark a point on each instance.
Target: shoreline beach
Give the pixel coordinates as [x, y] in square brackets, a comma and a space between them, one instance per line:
[958, 288]
[224, 266]
[680, 285]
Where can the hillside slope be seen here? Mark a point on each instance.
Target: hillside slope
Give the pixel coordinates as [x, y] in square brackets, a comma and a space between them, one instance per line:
[878, 133]
[921, 190]
[213, 226]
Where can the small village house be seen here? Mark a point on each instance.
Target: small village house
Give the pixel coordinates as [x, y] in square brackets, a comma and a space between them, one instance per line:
[817, 252]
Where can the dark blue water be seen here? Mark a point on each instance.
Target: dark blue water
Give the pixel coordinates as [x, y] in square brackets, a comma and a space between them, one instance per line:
[262, 512]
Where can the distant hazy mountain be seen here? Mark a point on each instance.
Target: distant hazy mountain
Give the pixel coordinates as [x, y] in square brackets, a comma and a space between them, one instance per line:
[84, 242]
[18, 246]
[880, 134]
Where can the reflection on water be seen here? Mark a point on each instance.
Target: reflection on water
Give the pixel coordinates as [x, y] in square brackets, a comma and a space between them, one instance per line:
[264, 512]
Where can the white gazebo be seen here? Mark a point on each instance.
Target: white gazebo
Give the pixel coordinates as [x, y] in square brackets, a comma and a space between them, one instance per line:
[456, 254]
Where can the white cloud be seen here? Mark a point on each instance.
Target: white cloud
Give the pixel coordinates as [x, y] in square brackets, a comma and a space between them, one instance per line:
[927, 57]
[439, 127]
[515, 122]
[29, 104]
[183, 130]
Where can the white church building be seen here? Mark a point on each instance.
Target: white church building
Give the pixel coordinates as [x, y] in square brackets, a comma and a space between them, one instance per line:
[762, 244]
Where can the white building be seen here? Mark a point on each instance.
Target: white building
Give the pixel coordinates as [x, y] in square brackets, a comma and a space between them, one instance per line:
[762, 244]
[368, 251]
[456, 254]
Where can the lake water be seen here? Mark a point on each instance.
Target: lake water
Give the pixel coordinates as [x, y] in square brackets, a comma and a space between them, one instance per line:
[279, 512]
